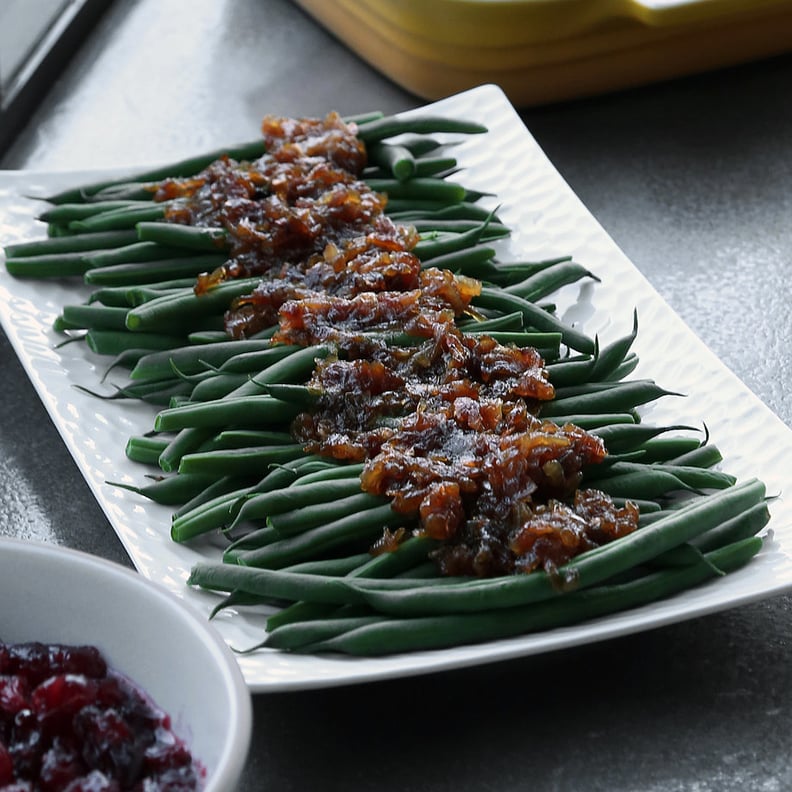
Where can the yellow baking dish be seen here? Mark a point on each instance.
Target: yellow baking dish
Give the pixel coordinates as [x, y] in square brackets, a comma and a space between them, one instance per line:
[541, 51]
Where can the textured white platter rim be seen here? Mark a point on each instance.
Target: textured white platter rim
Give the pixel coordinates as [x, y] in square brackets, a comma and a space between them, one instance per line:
[548, 220]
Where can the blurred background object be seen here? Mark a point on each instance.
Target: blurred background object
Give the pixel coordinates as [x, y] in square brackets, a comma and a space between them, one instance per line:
[37, 39]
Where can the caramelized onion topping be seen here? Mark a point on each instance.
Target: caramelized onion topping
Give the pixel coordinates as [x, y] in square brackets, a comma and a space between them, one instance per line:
[447, 426]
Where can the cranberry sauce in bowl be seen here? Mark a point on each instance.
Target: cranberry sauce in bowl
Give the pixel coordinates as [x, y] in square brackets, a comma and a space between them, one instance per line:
[70, 722]
[105, 675]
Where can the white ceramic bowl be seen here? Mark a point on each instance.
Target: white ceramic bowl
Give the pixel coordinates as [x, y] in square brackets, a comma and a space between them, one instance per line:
[55, 595]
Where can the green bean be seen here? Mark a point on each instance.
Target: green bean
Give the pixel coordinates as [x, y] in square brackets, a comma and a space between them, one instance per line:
[431, 248]
[134, 253]
[145, 449]
[690, 477]
[60, 325]
[284, 474]
[299, 395]
[295, 367]
[241, 438]
[256, 360]
[666, 449]
[612, 355]
[193, 359]
[586, 388]
[250, 540]
[363, 526]
[156, 393]
[185, 167]
[550, 279]
[308, 517]
[297, 612]
[644, 506]
[696, 476]
[363, 118]
[646, 484]
[740, 527]
[391, 126]
[217, 386]
[55, 265]
[57, 246]
[182, 236]
[299, 495]
[424, 206]
[117, 296]
[239, 461]
[333, 590]
[294, 636]
[211, 515]
[421, 145]
[509, 272]
[153, 271]
[168, 490]
[412, 551]
[625, 437]
[101, 317]
[430, 188]
[625, 368]
[215, 488]
[619, 397]
[435, 632]
[165, 311]
[63, 214]
[333, 471]
[237, 599]
[441, 167]
[534, 316]
[127, 191]
[586, 570]
[183, 442]
[119, 219]
[703, 455]
[593, 421]
[331, 566]
[397, 160]
[127, 359]
[204, 337]
[546, 344]
[242, 411]
[189, 438]
[143, 293]
[113, 342]
[457, 211]
[512, 322]
[278, 584]
[432, 227]
[570, 372]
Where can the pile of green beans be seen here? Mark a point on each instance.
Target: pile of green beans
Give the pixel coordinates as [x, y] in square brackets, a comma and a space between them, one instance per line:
[298, 527]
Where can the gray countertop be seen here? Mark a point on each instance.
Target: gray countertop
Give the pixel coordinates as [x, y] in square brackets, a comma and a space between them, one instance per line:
[693, 179]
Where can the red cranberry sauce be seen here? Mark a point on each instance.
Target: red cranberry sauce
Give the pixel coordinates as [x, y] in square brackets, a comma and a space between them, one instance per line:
[68, 723]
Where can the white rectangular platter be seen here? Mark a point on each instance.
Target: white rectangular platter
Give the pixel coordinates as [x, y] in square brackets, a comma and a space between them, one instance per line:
[547, 220]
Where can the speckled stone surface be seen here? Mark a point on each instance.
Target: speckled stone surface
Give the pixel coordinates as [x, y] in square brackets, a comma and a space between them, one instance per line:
[691, 179]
